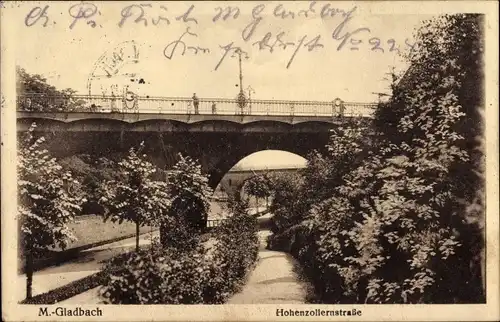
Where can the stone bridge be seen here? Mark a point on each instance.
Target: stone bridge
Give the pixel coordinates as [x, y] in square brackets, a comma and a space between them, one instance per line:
[219, 138]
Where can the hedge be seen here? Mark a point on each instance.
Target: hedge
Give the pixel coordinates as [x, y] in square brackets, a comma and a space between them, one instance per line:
[169, 275]
[69, 290]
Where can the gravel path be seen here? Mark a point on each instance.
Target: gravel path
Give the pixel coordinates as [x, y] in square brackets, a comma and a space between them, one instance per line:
[272, 281]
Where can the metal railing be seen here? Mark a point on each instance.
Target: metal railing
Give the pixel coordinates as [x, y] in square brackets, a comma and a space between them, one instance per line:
[214, 222]
[182, 105]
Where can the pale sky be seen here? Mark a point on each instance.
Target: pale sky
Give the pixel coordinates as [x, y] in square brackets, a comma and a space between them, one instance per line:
[67, 57]
[271, 159]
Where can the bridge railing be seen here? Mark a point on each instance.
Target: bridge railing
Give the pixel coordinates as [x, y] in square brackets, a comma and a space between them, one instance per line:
[180, 105]
[211, 223]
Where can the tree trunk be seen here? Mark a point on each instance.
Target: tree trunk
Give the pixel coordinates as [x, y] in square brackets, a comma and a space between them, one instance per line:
[29, 273]
[137, 235]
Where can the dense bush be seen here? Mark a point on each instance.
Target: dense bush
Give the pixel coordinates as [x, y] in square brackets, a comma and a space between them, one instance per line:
[183, 273]
[235, 251]
[155, 276]
[395, 224]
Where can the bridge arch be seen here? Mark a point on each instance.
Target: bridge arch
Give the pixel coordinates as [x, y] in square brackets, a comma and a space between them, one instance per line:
[25, 123]
[256, 163]
[220, 125]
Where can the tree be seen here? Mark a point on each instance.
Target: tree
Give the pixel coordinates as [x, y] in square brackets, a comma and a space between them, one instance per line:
[445, 79]
[91, 171]
[402, 206]
[324, 172]
[400, 226]
[137, 198]
[45, 207]
[258, 186]
[288, 205]
[190, 193]
[37, 95]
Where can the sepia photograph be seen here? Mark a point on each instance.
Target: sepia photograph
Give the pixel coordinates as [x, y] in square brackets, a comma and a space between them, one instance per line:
[295, 160]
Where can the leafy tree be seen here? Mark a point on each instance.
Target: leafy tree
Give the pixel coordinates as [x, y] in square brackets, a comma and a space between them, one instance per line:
[45, 207]
[324, 173]
[137, 198]
[42, 97]
[446, 78]
[258, 186]
[91, 171]
[288, 205]
[190, 192]
[400, 220]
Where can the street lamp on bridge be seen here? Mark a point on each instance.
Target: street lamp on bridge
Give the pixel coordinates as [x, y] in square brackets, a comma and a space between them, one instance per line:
[241, 99]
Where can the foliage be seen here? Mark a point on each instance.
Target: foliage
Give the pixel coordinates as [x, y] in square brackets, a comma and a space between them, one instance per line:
[137, 198]
[43, 97]
[395, 219]
[287, 208]
[171, 275]
[324, 172]
[445, 80]
[190, 192]
[257, 186]
[91, 172]
[155, 276]
[45, 207]
[236, 249]
[176, 233]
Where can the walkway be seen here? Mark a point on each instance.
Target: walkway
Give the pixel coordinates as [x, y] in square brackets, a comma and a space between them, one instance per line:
[273, 281]
[88, 262]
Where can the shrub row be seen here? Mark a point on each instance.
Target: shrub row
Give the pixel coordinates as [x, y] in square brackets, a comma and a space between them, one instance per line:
[234, 254]
[69, 290]
[206, 274]
[394, 213]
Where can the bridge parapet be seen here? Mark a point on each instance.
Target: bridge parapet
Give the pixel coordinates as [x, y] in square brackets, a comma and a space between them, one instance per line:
[186, 106]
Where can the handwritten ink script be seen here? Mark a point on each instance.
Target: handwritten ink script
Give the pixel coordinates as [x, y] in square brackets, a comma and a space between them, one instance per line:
[345, 35]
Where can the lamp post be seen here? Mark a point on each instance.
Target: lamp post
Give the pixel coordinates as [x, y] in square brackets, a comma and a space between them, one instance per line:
[241, 70]
[241, 96]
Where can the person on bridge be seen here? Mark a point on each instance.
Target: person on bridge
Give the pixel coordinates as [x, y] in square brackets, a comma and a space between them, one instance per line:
[214, 108]
[196, 103]
[341, 110]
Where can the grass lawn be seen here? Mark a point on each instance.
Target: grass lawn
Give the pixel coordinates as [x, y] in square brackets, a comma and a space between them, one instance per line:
[91, 229]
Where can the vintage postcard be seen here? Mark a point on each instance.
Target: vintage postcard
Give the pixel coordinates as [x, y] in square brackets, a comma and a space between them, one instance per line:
[249, 161]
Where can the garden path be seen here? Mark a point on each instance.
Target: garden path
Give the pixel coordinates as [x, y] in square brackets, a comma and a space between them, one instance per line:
[88, 262]
[274, 279]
